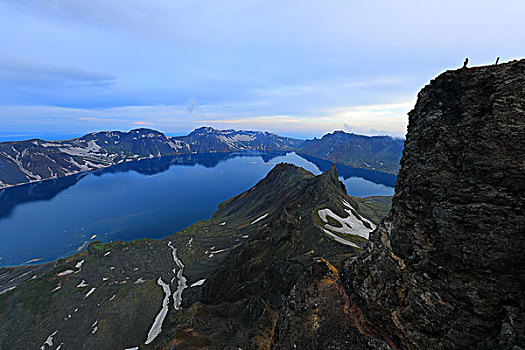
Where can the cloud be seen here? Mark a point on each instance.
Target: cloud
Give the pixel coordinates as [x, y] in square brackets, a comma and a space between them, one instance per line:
[389, 119]
[23, 73]
[92, 119]
[295, 66]
[143, 123]
[344, 22]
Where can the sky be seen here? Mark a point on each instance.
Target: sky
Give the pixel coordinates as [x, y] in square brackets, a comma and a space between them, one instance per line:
[296, 68]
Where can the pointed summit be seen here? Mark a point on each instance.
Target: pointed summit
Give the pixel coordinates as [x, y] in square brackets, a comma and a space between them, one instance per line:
[331, 174]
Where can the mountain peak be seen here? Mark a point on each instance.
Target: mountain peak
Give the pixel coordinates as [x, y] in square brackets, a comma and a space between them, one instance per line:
[144, 130]
[203, 129]
[331, 173]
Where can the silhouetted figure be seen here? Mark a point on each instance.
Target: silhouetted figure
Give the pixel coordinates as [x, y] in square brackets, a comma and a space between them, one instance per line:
[465, 63]
[497, 61]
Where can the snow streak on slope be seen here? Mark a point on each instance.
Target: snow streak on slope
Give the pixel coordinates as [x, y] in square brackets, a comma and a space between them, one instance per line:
[259, 219]
[181, 280]
[156, 328]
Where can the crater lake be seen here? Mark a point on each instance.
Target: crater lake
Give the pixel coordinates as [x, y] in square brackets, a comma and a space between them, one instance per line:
[151, 198]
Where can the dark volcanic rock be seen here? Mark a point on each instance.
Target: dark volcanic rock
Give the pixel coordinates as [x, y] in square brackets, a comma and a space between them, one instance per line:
[446, 269]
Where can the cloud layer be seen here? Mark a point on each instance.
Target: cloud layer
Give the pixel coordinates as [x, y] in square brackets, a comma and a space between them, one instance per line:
[293, 67]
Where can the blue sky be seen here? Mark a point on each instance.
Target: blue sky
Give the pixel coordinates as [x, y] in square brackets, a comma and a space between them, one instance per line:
[297, 68]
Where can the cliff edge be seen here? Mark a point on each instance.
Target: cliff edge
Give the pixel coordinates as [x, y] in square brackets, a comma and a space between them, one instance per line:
[446, 268]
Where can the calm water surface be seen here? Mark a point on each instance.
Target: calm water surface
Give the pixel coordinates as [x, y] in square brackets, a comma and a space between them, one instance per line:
[151, 198]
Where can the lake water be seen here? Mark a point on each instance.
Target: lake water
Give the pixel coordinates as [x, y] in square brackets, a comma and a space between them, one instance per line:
[150, 198]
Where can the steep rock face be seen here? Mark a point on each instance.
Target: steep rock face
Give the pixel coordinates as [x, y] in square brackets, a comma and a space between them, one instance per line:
[446, 269]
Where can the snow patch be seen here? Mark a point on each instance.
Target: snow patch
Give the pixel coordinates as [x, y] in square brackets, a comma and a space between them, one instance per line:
[177, 295]
[64, 273]
[350, 225]
[340, 240]
[79, 265]
[49, 341]
[156, 328]
[95, 327]
[90, 292]
[198, 283]
[259, 219]
[7, 290]
[82, 284]
[219, 251]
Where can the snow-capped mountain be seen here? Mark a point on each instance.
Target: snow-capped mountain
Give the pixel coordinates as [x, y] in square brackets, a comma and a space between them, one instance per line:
[35, 160]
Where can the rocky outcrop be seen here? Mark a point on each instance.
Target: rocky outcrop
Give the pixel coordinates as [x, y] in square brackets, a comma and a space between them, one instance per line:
[446, 269]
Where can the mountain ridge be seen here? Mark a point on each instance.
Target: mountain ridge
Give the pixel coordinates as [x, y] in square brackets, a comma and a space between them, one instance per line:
[214, 266]
[360, 151]
[36, 160]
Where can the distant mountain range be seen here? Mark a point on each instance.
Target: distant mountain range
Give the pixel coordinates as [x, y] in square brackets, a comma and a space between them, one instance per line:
[377, 152]
[35, 160]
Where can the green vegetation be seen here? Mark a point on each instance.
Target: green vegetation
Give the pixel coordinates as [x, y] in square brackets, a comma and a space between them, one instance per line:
[374, 208]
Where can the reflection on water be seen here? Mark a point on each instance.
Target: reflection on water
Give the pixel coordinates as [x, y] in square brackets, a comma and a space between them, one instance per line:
[347, 172]
[148, 198]
[48, 189]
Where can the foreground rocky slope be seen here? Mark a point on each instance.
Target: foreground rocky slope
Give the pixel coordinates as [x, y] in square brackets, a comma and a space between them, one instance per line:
[227, 281]
[253, 300]
[446, 269]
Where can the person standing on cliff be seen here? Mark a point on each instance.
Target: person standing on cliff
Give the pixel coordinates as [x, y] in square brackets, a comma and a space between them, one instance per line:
[497, 61]
[465, 63]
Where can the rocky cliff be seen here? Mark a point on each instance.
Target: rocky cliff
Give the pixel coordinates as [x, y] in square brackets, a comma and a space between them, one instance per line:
[446, 268]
